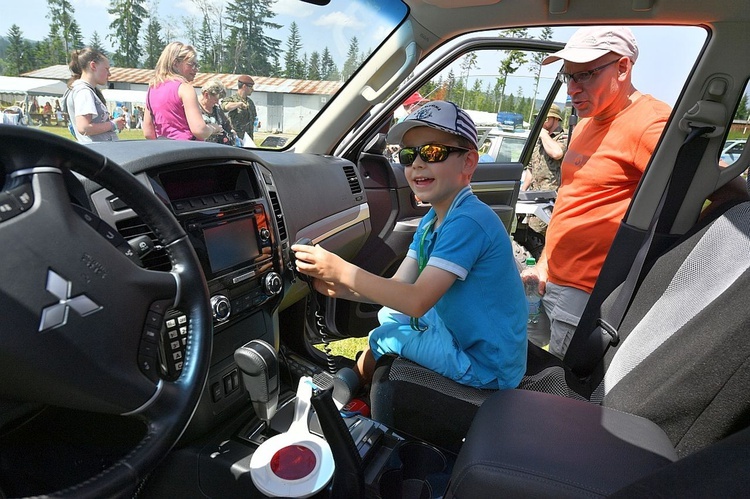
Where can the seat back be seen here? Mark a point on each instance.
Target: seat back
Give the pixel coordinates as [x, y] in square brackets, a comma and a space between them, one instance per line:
[684, 362]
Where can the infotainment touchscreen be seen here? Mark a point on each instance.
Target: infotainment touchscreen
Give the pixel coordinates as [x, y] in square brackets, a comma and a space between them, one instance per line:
[231, 244]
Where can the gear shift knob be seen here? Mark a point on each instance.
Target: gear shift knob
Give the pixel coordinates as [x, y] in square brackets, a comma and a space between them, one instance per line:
[259, 365]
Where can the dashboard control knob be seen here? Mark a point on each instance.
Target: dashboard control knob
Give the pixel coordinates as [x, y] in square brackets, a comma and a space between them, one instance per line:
[221, 308]
[272, 283]
[265, 234]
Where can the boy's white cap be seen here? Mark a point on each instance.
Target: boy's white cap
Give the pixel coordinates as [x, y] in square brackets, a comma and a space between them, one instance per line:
[592, 42]
[440, 115]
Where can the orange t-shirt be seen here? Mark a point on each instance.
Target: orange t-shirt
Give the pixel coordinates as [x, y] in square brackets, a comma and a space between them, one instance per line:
[599, 174]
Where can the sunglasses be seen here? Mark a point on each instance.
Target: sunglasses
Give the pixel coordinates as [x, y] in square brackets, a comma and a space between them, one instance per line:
[582, 76]
[241, 84]
[429, 153]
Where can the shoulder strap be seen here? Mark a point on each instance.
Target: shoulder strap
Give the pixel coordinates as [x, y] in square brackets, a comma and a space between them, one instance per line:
[597, 330]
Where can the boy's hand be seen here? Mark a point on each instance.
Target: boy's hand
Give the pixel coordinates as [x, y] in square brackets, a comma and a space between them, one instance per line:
[318, 263]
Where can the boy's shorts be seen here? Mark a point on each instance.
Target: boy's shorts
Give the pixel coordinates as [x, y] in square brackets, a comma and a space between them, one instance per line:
[435, 348]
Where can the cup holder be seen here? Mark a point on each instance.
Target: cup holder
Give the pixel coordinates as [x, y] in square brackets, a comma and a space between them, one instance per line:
[408, 476]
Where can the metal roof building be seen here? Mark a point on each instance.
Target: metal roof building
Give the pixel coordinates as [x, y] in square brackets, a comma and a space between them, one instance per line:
[283, 105]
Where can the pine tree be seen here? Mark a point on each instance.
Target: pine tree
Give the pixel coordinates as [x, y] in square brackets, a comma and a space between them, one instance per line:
[250, 50]
[126, 29]
[313, 67]
[153, 43]
[292, 55]
[513, 61]
[63, 24]
[352, 56]
[96, 43]
[328, 69]
[19, 55]
[536, 61]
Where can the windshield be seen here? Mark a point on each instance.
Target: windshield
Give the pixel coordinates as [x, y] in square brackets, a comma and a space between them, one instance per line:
[294, 57]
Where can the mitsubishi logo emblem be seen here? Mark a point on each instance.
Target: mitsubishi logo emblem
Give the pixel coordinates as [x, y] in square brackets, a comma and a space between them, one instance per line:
[56, 315]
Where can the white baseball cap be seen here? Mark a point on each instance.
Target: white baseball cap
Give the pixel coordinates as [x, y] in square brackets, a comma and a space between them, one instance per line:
[438, 114]
[592, 42]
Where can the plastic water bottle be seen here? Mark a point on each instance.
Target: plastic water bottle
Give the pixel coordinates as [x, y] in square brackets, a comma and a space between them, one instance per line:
[533, 298]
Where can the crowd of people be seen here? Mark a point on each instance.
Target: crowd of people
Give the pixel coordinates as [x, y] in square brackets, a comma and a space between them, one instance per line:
[173, 110]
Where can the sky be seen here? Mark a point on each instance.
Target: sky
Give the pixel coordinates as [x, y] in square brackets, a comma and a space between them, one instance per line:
[334, 29]
[655, 72]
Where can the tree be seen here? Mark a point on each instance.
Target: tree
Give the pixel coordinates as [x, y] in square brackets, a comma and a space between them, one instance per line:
[468, 63]
[352, 56]
[63, 24]
[313, 67]
[292, 55]
[126, 29]
[210, 43]
[97, 44]
[250, 49]
[512, 62]
[153, 43]
[328, 69]
[536, 60]
[19, 54]
[742, 109]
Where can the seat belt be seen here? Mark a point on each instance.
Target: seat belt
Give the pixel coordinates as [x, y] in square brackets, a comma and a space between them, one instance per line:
[583, 359]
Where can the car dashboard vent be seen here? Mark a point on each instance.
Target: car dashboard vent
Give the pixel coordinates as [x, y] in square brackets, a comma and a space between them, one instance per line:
[277, 214]
[351, 177]
[158, 259]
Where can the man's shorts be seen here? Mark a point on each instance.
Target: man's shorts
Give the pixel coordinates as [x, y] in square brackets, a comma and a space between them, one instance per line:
[563, 307]
[435, 348]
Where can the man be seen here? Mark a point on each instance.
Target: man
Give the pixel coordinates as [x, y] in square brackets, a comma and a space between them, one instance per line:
[240, 108]
[543, 172]
[613, 143]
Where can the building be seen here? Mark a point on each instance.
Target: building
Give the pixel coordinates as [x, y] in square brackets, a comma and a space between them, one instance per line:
[284, 105]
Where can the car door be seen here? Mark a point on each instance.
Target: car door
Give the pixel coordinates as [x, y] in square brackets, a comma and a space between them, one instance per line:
[394, 210]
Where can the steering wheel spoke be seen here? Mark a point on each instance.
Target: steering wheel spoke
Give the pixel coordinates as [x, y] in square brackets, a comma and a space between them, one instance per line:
[80, 319]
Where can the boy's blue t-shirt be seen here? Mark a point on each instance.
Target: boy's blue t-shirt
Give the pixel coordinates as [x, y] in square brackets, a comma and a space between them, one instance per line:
[485, 308]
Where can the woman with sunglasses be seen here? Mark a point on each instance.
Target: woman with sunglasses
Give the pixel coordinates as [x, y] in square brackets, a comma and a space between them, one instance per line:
[456, 304]
[172, 109]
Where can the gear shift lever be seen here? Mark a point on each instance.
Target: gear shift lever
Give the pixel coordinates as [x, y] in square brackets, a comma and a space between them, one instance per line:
[259, 365]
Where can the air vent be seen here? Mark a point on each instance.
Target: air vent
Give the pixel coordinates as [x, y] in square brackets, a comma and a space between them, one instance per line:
[351, 177]
[157, 259]
[277, 213]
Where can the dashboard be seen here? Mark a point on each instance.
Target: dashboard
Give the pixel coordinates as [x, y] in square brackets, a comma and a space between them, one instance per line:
[241, 210]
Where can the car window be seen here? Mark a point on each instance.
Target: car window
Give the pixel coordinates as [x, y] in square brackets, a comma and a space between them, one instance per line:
[298, 55]
[504, 89]
[738, 132]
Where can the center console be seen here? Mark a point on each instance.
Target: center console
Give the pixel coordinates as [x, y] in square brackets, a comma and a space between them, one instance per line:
[224, 209]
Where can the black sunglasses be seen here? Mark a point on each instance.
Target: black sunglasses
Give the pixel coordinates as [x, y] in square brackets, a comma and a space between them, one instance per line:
[240, 84]
[429, 153]
[582, 76]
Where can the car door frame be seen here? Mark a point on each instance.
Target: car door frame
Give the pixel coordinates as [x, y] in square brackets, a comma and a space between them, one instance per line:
[384, 182]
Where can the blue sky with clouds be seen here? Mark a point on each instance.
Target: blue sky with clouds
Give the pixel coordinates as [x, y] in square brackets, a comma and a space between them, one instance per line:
[658, 67]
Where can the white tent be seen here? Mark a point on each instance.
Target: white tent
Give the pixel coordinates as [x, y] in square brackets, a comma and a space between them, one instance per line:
[17, 85]
[128, 96]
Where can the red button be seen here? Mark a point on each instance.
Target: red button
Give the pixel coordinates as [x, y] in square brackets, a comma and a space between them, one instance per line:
[293, 462]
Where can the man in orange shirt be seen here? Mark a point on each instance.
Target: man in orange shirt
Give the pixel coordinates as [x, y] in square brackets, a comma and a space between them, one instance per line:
[607, 155]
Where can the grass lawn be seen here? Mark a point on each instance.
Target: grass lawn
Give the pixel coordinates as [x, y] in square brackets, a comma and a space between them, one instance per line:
[346, 348]
[132, 134]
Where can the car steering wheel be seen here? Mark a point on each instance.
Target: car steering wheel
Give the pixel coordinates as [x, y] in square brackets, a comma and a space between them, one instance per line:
[78, 315]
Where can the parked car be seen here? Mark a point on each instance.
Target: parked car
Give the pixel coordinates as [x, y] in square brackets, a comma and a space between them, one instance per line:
[153, 332]
[732, 150]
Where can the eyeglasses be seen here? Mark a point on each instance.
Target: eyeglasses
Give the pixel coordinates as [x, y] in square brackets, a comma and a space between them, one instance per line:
[192, 64]
[241, 84]
[429, 153]
[582, 76]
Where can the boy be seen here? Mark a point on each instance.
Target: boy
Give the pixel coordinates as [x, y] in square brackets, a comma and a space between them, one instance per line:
[456, 304]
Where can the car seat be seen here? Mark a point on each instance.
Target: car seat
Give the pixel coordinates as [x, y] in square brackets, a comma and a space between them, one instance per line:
[682, 362]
